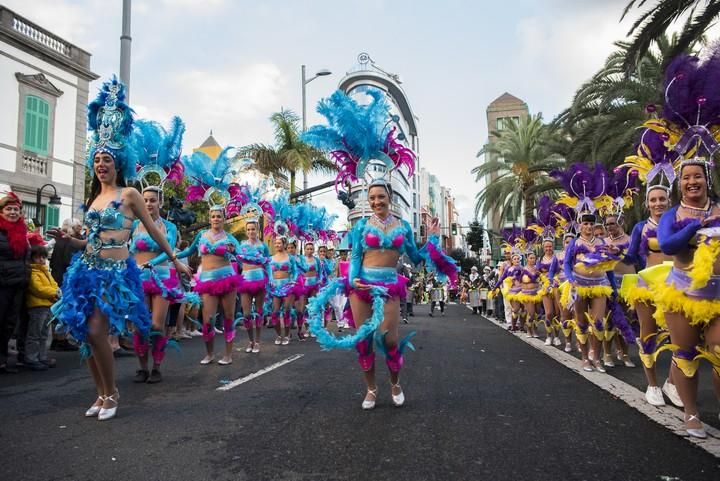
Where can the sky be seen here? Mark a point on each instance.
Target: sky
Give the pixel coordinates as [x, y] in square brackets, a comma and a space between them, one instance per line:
[227, 65]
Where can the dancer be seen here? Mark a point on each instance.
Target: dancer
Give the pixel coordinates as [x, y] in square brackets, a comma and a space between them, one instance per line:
[688, 296]
[158, 152]
[255, 256]
[283, 275]
[545, 227]
[102, 289]
[531, 294]
[311, 267]
[218, 280]
[651, 162]
[509, 283]
[588, 263]
[358, 136]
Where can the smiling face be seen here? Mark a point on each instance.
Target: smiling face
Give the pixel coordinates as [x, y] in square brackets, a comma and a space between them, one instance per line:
[309, 249]
[586, 228]
[379, 200]
[104, 168]
[613, 227]
[548, 248]
[322, 252]
[292, 248]
[280, 244]
[152, 202]
[11, 212]
[531, 259]
[657, 202]
[515, 260]
[217, 218]
[251, 229]
[693, 185]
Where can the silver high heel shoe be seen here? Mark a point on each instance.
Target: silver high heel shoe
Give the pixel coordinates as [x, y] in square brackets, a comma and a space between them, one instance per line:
[695, 432]
[398, 400]
[94, 409]
[109, 413]
[368, 404]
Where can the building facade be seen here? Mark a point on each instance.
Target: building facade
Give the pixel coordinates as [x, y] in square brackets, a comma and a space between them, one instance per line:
[501, 110]
[366, 75]
[45, 83]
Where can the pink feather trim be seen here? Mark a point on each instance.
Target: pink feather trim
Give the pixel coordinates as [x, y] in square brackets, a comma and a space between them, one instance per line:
[218, 287]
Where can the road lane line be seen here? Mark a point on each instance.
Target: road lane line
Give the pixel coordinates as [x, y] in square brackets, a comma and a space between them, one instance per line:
[668, 416]
[259, 373]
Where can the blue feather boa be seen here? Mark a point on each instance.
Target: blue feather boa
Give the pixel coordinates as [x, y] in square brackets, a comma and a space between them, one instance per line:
[328, 340]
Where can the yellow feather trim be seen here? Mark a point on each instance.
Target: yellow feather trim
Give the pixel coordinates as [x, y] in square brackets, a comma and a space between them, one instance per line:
[704, 262]
[529, 298]
[629, 283]
[700, 312]
[710, 356]
[594, 291]
[565, 291]
[604, 266]
[639, 294]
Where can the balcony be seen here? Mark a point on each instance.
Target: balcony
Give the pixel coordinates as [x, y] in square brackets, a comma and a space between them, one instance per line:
[34, 165]
[40, 36]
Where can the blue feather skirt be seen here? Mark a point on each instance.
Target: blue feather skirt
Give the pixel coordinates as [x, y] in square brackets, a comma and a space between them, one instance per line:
[114, 286]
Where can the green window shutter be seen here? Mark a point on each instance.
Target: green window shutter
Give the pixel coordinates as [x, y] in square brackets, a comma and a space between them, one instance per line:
[37, 120]
[52, 217]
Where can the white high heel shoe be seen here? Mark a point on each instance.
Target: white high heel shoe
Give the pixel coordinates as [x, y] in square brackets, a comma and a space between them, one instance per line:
[398, 400]
[695, 432]
[368, 404]
[94, 409]
[109, 413]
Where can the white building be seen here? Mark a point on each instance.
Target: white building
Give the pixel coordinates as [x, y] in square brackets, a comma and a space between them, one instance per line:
[44, 82]
[367, 75]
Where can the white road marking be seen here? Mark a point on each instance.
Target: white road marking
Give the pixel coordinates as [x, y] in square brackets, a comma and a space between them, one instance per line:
[668, 416]
[259, 373]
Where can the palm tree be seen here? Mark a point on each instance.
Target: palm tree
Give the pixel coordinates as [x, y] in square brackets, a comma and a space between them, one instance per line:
[601, 123]
[289, 155]
[522, 161]
[653, 24]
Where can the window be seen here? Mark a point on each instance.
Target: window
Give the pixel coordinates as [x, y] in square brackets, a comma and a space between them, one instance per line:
[29, 210]
[502, 122]
[52, 217]
[414, 200]
[37, 121]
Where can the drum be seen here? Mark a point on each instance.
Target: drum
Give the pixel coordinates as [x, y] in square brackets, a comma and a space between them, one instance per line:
[436, 294]
[474, 296]
[483, 294]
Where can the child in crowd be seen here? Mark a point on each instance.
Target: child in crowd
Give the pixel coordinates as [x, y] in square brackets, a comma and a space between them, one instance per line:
[42, 292]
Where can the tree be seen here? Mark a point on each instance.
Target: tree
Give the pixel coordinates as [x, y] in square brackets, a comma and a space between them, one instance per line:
[653, 24]
[522, 161]
[288, 155]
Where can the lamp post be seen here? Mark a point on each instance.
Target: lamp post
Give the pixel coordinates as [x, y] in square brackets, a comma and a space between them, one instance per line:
[54, 200]
[320, 73]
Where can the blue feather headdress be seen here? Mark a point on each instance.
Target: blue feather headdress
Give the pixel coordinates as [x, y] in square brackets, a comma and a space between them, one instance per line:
[159, 150]
[360, 135]
[213, 180]
[111, 121]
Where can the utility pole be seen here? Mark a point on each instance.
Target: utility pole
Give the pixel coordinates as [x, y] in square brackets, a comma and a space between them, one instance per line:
[125, 43]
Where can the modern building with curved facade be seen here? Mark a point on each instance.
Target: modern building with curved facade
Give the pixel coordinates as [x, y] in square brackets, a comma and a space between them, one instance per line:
[366, 75]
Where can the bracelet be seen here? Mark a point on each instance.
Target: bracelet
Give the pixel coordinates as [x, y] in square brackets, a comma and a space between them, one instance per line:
[172, 258]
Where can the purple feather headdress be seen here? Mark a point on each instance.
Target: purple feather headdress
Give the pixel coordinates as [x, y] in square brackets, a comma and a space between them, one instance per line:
[691, 112]
[545, 225]
[622, 187]
[584, 187]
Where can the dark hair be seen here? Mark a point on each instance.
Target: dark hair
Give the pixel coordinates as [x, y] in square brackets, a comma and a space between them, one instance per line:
[588, 218]
[95, 187]
[386, 186]
[676, 195]
[38, 251]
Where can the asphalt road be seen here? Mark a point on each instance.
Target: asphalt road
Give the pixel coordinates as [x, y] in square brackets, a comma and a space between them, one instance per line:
[481, 404]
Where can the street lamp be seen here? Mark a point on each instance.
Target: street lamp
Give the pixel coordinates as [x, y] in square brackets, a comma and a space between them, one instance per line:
[54, 200]
[320, 73]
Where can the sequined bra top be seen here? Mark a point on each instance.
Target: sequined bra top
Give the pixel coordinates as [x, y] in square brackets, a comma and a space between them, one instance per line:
[253, 253]
[374, 238]
[107, 219]
[280, 265]
[142, 242]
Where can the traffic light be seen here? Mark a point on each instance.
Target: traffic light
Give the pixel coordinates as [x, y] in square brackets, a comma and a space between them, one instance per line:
[422, 230]
[454, 228]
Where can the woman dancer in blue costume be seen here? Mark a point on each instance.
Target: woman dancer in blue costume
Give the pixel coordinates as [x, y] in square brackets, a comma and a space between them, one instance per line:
[283, 275]
[688, 297]
[102, 289]
[218, 280]
[159, 153]
[644, 251]
[311, 267]
[358, 135]
[255, 256]
[588, 263]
